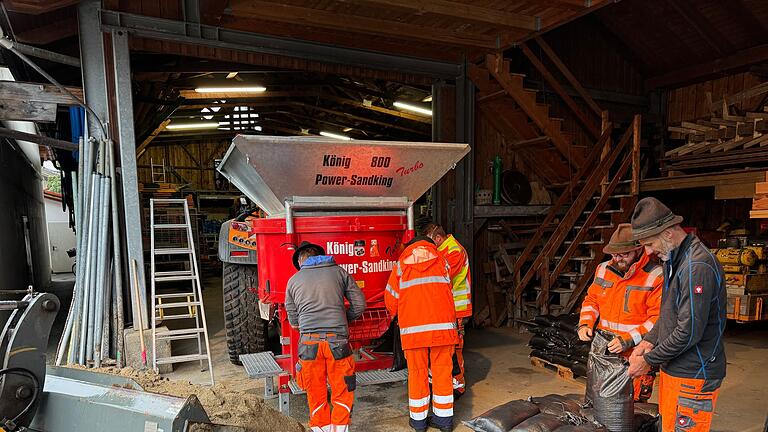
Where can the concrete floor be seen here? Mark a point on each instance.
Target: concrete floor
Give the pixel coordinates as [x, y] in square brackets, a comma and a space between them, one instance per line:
[498, 370]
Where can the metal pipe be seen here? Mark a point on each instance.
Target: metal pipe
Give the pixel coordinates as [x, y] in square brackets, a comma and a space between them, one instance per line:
[106, 317]
[65, 336]
[45, 54]
[80, 223]
[118, 258]
[98, 311]
[92, 287]
[288, 217]
[411, 218]
[85, 253]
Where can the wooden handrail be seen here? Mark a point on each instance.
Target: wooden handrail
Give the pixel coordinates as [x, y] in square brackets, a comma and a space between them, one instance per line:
[561, 201]
[587, 192]
[588, 123]
[568, 75]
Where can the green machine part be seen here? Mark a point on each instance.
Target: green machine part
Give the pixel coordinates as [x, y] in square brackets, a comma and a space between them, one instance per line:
[497, 168]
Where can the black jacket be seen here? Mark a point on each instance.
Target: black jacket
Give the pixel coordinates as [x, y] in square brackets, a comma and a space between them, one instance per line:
[688, 336]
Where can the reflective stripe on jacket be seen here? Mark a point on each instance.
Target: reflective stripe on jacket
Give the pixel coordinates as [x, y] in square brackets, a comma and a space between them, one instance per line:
[461, 281]
[419, 293]
[627, 305]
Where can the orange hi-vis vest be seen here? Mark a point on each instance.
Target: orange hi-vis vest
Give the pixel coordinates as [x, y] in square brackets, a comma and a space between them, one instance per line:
[627, 305]
[458, 260]
[419, 293]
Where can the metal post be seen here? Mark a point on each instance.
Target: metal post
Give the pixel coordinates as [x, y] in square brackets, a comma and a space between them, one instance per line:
[437, 136]
[465, 127]
[131, 205]
[92, 59]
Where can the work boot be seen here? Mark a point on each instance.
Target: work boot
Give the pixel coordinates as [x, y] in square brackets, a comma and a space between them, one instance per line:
[441, 428]
[418, 426]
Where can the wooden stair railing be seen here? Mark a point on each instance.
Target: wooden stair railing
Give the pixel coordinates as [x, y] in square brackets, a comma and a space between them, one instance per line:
[564, 198]
[589, 189]
[526, 99]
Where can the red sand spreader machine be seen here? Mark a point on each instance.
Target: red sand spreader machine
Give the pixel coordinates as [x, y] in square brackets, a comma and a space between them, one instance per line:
[354, 198]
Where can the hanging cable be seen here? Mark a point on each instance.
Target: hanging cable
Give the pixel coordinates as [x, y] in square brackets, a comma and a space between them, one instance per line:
[8, 44]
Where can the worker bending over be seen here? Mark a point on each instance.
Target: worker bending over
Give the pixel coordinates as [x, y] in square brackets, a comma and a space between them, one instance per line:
[461, 284]
[419, 293]
[687, 341]
[314, 301]
[625, 295]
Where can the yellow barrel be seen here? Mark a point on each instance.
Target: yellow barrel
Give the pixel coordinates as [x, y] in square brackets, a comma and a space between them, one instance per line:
[733, 256]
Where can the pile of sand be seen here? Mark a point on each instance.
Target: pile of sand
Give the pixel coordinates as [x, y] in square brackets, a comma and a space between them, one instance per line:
[224, 405]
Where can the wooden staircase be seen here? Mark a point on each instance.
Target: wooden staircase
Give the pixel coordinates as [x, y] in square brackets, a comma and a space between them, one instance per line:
[600, 183]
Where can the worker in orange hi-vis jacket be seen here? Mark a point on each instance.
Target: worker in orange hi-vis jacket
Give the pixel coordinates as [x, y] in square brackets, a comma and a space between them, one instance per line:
[419, 293]
[314, 302]
[625, 295]
[461, 282]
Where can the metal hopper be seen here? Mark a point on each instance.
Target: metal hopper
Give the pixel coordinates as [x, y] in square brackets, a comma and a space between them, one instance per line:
[271, 169]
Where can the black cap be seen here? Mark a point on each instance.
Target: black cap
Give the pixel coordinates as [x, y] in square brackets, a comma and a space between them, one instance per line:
[305, 245]
[419, 238]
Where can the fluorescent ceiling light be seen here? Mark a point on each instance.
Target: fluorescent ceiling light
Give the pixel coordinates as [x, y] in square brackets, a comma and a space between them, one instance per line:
[250, 89]
[413, 108]
[347, 129]
[191, 126]
[335, 136]
[231, 75]
[208, 117]
[215, 108]
[427, 98]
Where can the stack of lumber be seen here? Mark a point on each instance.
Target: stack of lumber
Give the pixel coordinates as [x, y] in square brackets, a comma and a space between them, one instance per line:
[760, 201]
[724, 139]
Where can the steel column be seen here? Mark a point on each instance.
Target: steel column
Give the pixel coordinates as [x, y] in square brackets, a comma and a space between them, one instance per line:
[93, 69]
[127, 140]
[465, 133]
[437, 136]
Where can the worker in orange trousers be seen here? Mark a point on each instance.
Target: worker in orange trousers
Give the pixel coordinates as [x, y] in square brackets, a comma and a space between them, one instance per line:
[625, 295]
[314, 302]
[419, 293]
[461, 282]
[687, 340]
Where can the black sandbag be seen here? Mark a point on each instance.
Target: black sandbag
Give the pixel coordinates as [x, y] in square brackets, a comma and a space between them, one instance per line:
[541, 342]
[588, 414]
[582, 428]
[609, 387]
[544, 355]
[556, 404]
[539, 423]
[398, 356]
[503, 417]
[568, 322]
[579, 369]
[544, 320]
[651, 409]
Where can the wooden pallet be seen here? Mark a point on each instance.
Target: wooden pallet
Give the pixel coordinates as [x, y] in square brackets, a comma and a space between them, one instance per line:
[563, 372]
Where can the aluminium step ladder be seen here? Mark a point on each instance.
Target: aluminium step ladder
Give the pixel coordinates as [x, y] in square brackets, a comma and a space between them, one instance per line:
[171, 237]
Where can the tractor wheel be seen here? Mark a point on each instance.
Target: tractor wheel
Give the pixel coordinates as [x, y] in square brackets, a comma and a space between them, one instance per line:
[246, 331]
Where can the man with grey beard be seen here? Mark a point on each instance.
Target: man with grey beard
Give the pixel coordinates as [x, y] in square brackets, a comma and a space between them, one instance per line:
[686, 342]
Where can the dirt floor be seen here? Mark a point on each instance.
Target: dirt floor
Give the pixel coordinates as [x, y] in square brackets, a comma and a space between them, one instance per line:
[498, 370]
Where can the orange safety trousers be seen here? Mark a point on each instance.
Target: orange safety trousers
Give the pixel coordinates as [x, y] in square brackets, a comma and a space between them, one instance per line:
[421, 361]
[459, 384]
[321, 363]
[684, 405]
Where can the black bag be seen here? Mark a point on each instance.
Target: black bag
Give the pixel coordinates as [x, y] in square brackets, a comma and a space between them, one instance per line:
[609, 388]
[556, 404]
[645, 423]
[503, 417]
[582, 428]
[651, 409]
[539, 423]
[398, 356]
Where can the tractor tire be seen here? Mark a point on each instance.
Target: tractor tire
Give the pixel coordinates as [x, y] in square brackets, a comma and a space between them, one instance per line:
[246, 332]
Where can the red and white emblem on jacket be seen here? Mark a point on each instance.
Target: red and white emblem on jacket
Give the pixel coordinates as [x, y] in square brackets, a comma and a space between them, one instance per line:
[698, 289]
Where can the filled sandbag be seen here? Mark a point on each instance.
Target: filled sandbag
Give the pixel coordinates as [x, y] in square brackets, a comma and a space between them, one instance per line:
[556, 404]
[539, 423]
[651, 409]
[581, 428]
[609, 387]
[645, 422]
[503, 417]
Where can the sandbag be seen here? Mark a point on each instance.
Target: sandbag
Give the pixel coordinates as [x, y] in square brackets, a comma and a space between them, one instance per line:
[588, 414]
[582, 428]
[645, 423]
[503, 417]
[544, 320]
[398, 356]
[539, 423]
[651, 409]
[541, 342]
[609, 387]
[556, 404]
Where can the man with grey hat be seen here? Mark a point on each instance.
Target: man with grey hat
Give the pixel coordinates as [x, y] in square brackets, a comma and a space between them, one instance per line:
[314, 302]
[687, 340]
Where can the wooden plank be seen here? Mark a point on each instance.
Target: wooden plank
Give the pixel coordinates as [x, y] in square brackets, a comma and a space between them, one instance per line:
[27, 110]
[761, 188]
[17, 91]
[569, 76]
[37, 139]
[298, 16]
[737, 191]
[741, 96]
[465, 11]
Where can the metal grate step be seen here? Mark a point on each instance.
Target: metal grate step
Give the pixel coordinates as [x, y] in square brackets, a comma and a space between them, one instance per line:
[381, 376]
[261, 365]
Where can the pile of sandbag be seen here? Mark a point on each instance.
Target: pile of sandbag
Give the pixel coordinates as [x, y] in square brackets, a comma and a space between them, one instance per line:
[554, 413]
[556, 341]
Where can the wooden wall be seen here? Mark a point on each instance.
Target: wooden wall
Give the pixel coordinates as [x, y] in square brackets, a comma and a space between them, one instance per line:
[691, 103]
[193, 161]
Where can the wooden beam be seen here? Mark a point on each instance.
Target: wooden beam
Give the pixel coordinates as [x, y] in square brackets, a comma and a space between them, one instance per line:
[144, 144]
[702, 71]
[27, 111]
[37, 139]
[36, 7]
[569, 76]
[268, 11]
[701, 25]
[588, 124]
[465, 11]
[17, 91]
[363, 119]
[48, 33]
[391, 112]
